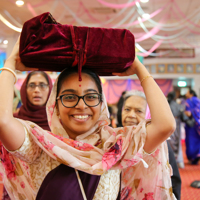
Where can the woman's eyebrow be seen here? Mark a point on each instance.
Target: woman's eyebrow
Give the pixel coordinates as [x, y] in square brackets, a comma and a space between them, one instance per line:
[68, 90]
[75, 91]
[128, 106]
[34, 82]
[140, 108]
[90, 90]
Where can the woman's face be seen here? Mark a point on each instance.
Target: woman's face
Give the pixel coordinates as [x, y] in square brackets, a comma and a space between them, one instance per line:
[188, 95]
[37, 95]
[134, 111]
[81, 118]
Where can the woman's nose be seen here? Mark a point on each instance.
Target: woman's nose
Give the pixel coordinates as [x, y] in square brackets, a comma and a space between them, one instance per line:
[132, 114]
[36, 88]
[81, 104]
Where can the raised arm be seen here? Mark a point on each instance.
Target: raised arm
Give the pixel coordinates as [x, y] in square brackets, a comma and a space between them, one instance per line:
[12, 133]
[162, 120]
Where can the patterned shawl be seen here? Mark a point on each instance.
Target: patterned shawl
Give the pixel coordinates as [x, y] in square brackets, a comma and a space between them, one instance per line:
[98, 150]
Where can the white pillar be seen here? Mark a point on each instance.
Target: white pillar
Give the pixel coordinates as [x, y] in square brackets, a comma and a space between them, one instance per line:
[196, 85]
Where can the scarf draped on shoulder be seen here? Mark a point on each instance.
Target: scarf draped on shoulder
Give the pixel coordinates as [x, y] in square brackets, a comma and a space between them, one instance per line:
[105, 148]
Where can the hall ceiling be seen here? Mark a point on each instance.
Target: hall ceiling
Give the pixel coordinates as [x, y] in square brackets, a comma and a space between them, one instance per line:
[179, 20]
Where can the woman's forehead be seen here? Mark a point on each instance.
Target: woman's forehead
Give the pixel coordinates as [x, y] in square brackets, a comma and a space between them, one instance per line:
[72, 83]
[37, 78]
[136, 101]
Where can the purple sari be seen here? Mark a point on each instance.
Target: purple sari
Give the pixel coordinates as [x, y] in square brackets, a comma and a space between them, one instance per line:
[62, 184]
[192, 139]
[193, 105]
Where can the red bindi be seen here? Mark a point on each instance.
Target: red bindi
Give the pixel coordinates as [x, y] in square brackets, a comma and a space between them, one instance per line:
[79, 85]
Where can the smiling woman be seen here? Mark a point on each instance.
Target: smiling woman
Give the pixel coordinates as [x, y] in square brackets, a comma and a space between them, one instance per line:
[82, 152]
[78, 108]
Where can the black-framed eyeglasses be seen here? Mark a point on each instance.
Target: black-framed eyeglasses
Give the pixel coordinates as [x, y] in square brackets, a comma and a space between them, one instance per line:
[41, 86]
[71, 100]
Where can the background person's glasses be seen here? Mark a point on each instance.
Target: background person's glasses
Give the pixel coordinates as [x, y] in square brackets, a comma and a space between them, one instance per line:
[41, 86]
[71, 100]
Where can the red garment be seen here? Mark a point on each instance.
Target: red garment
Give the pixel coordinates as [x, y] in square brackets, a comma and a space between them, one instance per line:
[27, 111]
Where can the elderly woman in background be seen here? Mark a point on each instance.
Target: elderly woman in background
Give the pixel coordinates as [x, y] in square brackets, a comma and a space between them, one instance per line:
[132, 110]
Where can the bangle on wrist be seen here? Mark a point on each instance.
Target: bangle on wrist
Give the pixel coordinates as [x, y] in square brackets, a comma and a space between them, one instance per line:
[145, 78]
[10, 70]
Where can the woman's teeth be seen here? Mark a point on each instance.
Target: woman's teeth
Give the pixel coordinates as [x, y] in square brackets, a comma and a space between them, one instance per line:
[80, 116]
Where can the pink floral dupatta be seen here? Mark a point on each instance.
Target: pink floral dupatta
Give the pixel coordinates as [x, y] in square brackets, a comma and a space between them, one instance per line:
[105, 148]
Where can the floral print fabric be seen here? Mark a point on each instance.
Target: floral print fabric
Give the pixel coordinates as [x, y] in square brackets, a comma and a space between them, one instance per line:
[102, 148]
[24, 170]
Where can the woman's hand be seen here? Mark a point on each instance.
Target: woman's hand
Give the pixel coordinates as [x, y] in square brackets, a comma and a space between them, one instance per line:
[188, 113]
[14, 62]
[133, 69]
[21, 67]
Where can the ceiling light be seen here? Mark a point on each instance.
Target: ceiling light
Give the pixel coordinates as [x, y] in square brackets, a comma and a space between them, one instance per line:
[137, 4]
[103, 80]
[145, 16]
[7, 23]
[5, 42]
[182, 83]
[19, 3]
[144, 1]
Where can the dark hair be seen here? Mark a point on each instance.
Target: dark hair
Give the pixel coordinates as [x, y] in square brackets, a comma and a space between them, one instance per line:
[68, 72]
[119, 112]
[171, 96]
[37, 72]
[119, 109]
[193, 92]
[110, 110]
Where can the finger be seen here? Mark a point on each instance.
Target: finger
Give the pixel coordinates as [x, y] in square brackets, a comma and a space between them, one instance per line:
[119, 74]
[128, 72]
[21, 67]
[31, 69]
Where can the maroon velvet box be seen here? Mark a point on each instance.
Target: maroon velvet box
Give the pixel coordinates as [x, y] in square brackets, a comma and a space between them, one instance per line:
[50, 46]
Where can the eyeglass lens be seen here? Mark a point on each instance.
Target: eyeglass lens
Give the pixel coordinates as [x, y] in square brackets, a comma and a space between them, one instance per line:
[70, 100]
[42, 86]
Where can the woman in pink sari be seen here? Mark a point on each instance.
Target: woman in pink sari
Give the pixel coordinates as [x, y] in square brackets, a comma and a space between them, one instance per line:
[80, 138]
